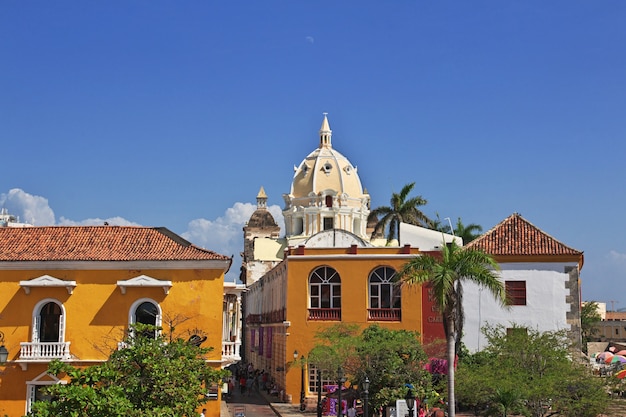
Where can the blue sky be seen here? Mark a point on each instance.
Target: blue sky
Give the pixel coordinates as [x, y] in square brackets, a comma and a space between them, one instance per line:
[174, 114]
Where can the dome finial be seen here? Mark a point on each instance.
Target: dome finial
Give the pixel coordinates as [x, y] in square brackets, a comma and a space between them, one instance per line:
[261, 199]
[325, 133]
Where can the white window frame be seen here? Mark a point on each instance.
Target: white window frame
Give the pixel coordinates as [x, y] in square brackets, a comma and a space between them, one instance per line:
[132, 317]
[38, 382]
[36, 320]
[394, 291]
[326, 280]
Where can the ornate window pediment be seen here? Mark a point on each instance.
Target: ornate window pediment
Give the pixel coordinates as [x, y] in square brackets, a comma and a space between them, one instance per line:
[144, 281]
[47, 281]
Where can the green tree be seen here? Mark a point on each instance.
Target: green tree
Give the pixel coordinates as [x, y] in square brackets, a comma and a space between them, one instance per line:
[445, 274]
[149, 377]
[537, 367]
[531, 373]
[467, 233]
[589, 317]
[389, 358]
[400, 210]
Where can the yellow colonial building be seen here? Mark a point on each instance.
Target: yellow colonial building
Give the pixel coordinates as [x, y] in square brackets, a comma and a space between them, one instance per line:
[326, 270]
[70, 293]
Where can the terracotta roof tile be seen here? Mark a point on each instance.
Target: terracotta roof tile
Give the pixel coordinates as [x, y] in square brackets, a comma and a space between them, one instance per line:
[98, 243]
[517, 236]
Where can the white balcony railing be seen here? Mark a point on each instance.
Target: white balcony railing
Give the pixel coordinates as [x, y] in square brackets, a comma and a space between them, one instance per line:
[44, 351]
[230, 349]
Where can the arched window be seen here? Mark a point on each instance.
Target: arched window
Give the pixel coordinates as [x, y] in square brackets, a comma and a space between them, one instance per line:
[324, 294]
[48, 322]
[145, 311]
[384, 295]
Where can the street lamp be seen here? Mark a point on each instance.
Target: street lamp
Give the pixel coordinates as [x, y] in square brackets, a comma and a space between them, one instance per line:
[366, 394]
[410, 401]
[4, 353]
[339, 387]
[319, 393]
[302, 397]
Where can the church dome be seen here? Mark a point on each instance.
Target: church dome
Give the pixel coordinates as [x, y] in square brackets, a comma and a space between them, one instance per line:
[326, 193]
[325, 169]
[261, 216]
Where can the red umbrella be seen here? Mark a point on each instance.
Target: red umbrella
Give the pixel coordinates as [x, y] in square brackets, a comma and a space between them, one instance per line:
[621, 374]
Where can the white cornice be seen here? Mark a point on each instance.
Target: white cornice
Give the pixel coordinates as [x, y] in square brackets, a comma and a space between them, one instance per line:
[47, 281]
[356, 257]
[144, 281]
[113, 265]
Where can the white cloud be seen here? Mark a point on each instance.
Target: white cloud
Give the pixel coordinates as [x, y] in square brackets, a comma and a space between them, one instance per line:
[224, 235]
[113, 221]
[617, 257]
[30, 208]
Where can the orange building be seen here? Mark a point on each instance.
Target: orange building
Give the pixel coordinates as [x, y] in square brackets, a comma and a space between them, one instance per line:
[315, 288]
[327, 269]
[70, 293]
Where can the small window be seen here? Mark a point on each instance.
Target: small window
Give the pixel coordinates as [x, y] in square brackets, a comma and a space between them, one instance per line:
[315, 382]
[516, 331]
[516, 292]
[328, 223]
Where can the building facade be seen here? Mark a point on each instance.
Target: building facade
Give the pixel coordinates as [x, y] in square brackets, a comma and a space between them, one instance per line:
[541, 277]
[70, 293]
[326, 270]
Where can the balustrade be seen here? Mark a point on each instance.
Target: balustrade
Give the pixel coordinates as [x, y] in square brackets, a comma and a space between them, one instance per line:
[41, 351]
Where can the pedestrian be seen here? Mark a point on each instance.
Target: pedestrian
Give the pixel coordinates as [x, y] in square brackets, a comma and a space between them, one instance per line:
[352, 411]
[242, 384]
[249, 383]
[203, 413]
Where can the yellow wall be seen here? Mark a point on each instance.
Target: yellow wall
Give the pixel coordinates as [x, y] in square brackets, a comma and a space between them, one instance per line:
[354, 271]
[97, 314]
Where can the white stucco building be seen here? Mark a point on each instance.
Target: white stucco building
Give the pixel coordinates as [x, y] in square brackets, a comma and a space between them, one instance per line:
[542, 279]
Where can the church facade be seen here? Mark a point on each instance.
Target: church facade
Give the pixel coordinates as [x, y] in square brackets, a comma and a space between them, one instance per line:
[325, 270]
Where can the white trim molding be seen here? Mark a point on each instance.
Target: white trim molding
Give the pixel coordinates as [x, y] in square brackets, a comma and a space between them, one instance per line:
[144, 281]
[47, 281]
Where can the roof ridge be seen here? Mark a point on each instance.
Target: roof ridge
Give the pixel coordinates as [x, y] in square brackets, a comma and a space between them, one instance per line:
[521, 238]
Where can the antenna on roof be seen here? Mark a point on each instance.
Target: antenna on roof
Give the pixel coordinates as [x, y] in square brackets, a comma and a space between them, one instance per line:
[450, 223]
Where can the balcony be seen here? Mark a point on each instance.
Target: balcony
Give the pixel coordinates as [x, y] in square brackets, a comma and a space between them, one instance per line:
[230, 353]
[43, 352]
[325, 314]
[384, 314]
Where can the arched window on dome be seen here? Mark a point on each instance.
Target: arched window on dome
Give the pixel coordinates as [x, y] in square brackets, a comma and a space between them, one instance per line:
[384, 295]
[325, 294]
[329, 201]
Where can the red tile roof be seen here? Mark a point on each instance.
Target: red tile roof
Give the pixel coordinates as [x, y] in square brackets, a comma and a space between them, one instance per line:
[517, 236]
[98, 243]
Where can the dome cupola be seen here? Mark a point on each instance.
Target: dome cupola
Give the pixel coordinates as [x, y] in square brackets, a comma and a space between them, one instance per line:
[326, 192]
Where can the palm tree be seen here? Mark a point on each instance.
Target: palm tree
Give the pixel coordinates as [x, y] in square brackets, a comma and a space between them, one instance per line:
[401, 210]
[467, 233]
[445, 275]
